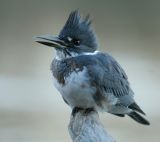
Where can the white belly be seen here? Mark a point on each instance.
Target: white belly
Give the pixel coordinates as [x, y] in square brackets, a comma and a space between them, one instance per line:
[77, 90]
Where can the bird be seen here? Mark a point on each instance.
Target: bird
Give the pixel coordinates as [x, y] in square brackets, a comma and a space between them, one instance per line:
[86, 78]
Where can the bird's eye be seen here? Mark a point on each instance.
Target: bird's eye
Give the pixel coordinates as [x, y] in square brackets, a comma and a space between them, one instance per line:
[73, 41]
[76, 42]
[69, 39]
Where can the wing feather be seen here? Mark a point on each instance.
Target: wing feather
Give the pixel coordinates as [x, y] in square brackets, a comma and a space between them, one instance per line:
[108, 76]
[112, 78]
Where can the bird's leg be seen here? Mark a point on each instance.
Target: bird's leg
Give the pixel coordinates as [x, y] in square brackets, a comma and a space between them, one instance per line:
[88, 110]
[85, 111]
[75, 110]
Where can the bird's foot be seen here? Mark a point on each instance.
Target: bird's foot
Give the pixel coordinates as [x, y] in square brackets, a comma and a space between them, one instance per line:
[88, 110]
[85, 111]
[75, 110]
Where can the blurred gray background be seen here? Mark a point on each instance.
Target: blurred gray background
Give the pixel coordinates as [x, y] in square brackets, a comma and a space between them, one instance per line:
[31, 110]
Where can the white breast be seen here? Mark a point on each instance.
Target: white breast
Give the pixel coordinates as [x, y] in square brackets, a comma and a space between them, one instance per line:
[77, 90]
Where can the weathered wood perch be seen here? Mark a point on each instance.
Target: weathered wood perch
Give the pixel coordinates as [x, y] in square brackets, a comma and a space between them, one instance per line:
[88, 128]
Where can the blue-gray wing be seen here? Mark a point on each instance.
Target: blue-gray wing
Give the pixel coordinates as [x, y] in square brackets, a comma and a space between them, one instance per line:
[110, 81]
[109, 76]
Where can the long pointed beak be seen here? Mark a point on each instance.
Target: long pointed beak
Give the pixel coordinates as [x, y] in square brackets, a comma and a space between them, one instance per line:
[51, 41]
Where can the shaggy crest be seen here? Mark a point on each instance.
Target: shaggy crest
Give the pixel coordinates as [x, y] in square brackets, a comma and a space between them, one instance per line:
[78, 28]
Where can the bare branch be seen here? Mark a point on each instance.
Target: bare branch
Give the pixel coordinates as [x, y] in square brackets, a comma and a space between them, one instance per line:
[88, 128]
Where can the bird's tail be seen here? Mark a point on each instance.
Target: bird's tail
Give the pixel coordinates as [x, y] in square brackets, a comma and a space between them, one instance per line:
[137, 117]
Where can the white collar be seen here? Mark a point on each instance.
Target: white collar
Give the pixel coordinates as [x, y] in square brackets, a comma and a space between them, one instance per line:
[60, 56]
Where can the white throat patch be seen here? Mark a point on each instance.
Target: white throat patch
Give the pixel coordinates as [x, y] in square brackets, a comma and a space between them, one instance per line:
[60, 55]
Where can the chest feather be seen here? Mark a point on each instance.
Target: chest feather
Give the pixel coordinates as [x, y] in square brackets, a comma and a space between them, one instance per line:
[62, 69]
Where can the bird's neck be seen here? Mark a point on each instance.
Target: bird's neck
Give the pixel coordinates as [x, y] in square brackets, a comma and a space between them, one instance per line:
[61, 55]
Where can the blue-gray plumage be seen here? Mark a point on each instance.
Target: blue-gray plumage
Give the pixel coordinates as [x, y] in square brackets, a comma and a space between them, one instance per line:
[86, 78]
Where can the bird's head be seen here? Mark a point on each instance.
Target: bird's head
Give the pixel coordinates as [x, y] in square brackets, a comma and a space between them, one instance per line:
[76, 36]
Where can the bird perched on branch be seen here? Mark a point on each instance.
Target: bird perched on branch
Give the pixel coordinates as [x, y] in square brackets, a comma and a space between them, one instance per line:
[86, 78]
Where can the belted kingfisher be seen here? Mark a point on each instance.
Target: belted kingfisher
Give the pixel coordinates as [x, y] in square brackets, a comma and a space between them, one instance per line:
[86, 78]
